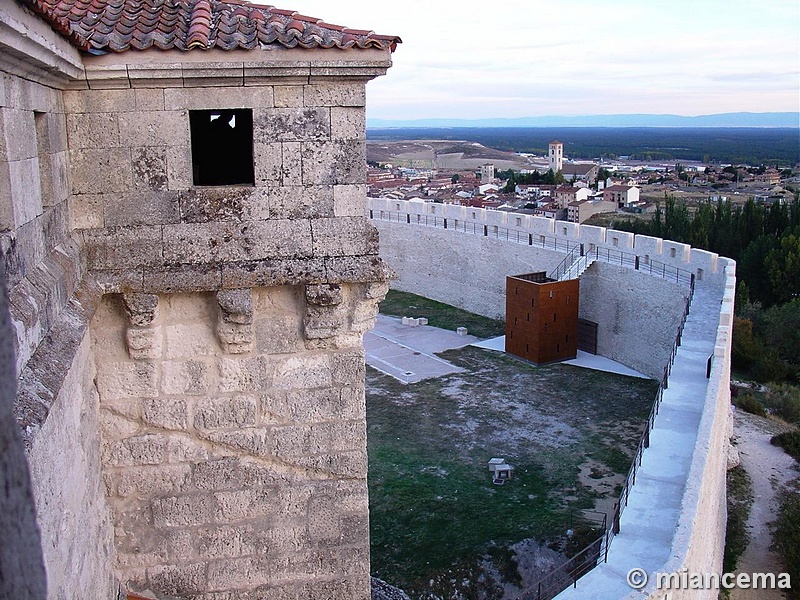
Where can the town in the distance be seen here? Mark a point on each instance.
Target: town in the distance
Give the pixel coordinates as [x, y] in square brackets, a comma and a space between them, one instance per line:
[553, 186]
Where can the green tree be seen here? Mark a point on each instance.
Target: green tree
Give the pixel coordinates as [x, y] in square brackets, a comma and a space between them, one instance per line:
[783, 267]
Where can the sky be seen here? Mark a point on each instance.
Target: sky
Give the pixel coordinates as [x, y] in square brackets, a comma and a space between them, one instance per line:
[528, 58]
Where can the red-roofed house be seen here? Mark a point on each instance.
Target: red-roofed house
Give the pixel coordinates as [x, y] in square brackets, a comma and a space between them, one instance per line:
[621, 195]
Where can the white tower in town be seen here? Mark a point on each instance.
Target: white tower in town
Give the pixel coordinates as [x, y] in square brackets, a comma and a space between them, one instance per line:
[555, 156]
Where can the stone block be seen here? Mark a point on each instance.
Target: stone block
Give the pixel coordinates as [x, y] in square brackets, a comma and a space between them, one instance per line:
[96, 171]
[99, 101]
[235, 338]
[190, 377]
[231, 474]
[278, 334]
[253, 442]
[179, 168]
[203, 98]
[127, 380]
[93, 130]
[200, 205]
[166, 413]
[274, 272]
[292, 164]
[226, 413]
[24, 192]
[162, 480]
[182, 278]
[348, 123]
[55, 178]
[236, 305]
[291, 124]
[347, 269]
[324, 294]
[301, 202]
[190, 340]
[334, 163]
[122, 248]
[18, 130]
[141, 208]
[288, 96]
[220, 542]
[149, 168]
[183, 511]
[244, 374]
[349, 200]
[348, 367]
[156, 128]
[267, 163]
[144, 449]
[185, 448]
[211, 242]
[141, 310]
[315, 406]
[144, 343]
[300, 372]
[116, 426]
[86, 211]
[239, 573]
[344, 236]
[324, 322]
[340, 464]
[335, 94]
[178, 580]
[149, 99]
[154, 75]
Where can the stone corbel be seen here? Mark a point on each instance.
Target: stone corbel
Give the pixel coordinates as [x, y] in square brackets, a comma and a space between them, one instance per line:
[235, 326]
[143, 338]
[325, 317]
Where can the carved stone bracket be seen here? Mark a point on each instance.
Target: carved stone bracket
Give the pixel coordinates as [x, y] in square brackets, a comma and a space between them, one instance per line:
[325, 315]
[235, 326]
[143, 338]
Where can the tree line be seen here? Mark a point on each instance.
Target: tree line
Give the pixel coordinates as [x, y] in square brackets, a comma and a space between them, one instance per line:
[765, 242]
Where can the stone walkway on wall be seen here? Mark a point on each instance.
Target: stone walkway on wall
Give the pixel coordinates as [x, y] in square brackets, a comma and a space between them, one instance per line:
[769, 467]
[649, 522]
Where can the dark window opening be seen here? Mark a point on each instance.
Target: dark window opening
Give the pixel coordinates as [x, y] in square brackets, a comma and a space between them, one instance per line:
[222, 146]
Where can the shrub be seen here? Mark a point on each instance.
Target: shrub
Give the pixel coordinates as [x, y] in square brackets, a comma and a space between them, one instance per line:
[749, 403]
[789, 441]
[784, 401]
[740, 498]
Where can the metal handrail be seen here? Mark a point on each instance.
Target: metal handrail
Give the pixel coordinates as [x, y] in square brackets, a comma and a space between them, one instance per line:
[606, 255]
[543, 590]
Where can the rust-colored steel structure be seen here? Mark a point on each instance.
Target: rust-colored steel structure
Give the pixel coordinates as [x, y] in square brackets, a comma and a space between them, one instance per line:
[542, 317]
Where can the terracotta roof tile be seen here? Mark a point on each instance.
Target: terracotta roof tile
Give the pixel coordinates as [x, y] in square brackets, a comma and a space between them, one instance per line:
[120, 25]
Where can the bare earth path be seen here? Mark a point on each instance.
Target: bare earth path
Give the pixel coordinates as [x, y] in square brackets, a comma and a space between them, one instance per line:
[769, 468]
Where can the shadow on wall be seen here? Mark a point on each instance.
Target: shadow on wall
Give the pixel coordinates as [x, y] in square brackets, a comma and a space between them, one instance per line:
[22, 574]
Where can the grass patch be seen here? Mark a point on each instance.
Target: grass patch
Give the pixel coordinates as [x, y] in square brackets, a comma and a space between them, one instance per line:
[434, 511]
[786, 535]
[444, 316]
[749, 403]
[740, 499]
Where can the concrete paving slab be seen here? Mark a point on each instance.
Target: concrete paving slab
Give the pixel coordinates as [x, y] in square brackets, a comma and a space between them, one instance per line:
[583, 360]
[408, 353]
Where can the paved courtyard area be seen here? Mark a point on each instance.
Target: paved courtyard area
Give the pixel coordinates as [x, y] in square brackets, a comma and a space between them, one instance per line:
[409, 353]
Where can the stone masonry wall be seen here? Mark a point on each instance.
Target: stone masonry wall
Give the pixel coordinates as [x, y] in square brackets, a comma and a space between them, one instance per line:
[147, 228]
[465, 270]
[637, 315]
[238, 474]
[48, 301]
[230, 360]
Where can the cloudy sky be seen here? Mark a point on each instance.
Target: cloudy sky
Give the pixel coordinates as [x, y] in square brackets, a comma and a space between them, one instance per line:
[518, 58]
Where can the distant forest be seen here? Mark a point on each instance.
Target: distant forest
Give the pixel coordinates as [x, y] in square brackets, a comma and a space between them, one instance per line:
[751, 146]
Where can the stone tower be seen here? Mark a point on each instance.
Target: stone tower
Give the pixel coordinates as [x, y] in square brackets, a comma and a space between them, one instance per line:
[190, 273]
[555, 156]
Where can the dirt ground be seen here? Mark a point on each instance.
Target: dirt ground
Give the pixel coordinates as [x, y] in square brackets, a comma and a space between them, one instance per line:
[439, 528]
[769, 468]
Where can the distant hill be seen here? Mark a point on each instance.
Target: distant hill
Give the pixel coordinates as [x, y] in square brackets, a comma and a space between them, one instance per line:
[740, 119]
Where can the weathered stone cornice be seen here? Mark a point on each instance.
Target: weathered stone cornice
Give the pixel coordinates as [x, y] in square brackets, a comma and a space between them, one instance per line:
[230, 68]
[30, 49]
